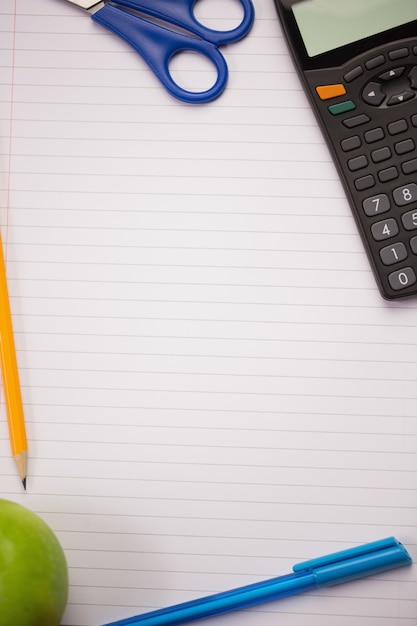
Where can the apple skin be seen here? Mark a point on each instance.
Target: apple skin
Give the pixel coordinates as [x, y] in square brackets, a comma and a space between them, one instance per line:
[33, 569]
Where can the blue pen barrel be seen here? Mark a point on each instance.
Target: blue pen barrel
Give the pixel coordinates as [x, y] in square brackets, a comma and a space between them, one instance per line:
[224, 602]
[332, 569]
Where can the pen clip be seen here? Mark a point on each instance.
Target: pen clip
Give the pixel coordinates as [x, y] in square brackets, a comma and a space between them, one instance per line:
[357, 562]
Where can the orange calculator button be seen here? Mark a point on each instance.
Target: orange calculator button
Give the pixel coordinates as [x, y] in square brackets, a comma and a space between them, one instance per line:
[326, 92]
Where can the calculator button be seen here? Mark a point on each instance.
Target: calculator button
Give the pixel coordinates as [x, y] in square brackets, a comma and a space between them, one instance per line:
[376, 134]
[366, 182]
[409, 167]
[351, 143]
[409, 220]
[393, 254]
[352, 74]
[342, 107]
[392, 74]
[412, 77]
[402, 147]
[375, 62]
[383, 154]
[326, 92]
[398, 54]
[413, 244]
[414, 119]
[358, 163]
[402, 278]
[391, 173]
[399, 98]
[395, 128]
[384, 230]
[376, 204]
[405, 195]
[373, 94]
[358, 120]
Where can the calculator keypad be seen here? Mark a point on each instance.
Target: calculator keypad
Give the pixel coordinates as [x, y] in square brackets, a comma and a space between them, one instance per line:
[374, 122]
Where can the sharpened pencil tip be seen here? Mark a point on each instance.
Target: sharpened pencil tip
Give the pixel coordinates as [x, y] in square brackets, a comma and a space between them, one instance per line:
[21, 464]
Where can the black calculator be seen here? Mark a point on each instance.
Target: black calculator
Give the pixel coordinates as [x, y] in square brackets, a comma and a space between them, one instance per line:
[357, 60]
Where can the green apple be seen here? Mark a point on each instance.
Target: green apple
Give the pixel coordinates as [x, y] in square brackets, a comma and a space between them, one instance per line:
[33, 570]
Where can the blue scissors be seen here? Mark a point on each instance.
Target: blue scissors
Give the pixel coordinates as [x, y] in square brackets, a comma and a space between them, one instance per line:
[158, 44]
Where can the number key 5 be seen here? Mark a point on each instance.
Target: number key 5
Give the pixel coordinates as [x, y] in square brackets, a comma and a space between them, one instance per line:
[409, 220]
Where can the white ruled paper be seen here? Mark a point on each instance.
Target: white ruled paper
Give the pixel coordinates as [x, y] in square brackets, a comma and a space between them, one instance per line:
[214, 389]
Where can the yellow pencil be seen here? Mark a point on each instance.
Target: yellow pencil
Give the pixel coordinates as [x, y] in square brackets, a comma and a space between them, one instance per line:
[10, 377]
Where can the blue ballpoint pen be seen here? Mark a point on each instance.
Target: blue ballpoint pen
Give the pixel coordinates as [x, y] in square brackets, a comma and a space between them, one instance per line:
[365, 560]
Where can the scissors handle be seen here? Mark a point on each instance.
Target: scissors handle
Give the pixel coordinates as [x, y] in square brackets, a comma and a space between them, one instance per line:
[157, 46]
[181, 13]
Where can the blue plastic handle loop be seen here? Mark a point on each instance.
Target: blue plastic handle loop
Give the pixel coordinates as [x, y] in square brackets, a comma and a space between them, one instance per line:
[181, 13]
[157, 45]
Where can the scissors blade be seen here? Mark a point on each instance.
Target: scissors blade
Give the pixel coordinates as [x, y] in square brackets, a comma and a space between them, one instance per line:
[88, 5]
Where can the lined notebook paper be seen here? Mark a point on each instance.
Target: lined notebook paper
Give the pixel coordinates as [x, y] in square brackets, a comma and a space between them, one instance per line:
[214, 389]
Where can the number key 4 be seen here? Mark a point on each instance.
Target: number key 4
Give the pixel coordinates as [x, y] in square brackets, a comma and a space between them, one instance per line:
[384, 230]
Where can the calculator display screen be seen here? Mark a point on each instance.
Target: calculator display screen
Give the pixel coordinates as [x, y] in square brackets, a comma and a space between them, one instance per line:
[329, 24]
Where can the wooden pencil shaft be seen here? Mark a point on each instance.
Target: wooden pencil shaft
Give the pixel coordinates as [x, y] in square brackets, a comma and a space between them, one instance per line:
[10, 375]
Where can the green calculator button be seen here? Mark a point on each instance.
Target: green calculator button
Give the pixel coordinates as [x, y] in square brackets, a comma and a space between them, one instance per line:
[342, 107]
